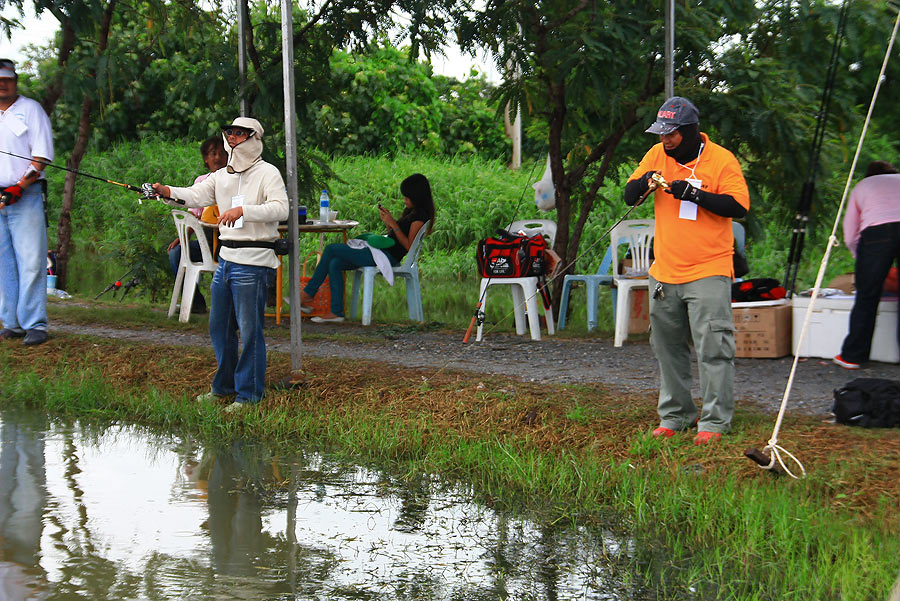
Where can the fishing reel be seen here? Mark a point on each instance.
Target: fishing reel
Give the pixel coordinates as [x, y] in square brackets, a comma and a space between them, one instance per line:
[659, 180]
[656, 181]
[148, 193]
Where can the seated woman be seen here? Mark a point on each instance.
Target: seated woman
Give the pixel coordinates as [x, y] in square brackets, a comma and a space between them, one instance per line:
[337, 258]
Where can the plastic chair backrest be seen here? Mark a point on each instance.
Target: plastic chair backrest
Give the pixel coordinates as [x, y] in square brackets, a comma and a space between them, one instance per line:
[413, 254]
[184, 221]
[638, 235]
[606, 263]
[545, 227]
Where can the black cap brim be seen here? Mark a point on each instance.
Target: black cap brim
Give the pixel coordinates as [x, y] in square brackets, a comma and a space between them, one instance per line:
[661, 128]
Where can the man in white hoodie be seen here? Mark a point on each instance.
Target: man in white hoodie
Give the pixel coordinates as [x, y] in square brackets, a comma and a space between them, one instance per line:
[252, 199]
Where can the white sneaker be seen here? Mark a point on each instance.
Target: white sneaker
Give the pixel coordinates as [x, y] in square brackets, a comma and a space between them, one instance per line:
[209, 397]
[318, 319]
[236, 407]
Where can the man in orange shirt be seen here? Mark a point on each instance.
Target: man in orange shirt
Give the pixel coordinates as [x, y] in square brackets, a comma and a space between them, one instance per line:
[690, 279]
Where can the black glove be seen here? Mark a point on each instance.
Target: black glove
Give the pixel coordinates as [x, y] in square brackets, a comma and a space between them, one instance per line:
[645, 181]
[683, 190]
[10, 195]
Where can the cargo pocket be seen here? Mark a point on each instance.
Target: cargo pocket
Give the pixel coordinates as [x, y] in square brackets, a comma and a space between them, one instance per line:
[719, 340]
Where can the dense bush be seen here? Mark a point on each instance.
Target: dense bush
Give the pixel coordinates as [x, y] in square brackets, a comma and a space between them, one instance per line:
[386, 104]
[473, 197]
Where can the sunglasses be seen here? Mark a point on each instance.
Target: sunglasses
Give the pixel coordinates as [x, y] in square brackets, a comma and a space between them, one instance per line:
[240, 133]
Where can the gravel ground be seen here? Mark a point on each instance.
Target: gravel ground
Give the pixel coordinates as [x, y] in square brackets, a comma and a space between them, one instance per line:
[632, 367]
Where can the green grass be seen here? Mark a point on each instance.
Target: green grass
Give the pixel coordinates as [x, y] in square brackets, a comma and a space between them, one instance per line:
[703, 519]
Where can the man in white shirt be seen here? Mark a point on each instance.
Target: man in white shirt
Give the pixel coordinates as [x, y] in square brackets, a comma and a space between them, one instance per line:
[252, 199]
[24, 131]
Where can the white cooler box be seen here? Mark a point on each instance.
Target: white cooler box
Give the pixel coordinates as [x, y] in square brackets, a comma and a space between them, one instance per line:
[830, 321]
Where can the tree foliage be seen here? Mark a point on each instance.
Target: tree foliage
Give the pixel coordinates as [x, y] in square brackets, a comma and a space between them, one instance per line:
[591, 72]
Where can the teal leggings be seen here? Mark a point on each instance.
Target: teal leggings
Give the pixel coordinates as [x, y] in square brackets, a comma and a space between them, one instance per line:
[337, 259]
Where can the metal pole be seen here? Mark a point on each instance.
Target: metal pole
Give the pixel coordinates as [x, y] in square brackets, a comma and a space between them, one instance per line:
[242, 56]
[670, 48]
[290, 158]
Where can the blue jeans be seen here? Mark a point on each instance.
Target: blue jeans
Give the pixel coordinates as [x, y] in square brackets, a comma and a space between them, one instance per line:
[175, 255]
[23, 263]
[878, 249]
[336, 259]
[238, 303]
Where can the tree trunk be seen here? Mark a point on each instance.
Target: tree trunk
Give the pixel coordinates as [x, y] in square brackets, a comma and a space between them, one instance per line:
[64, 226]
[55, 89]
[561, 180]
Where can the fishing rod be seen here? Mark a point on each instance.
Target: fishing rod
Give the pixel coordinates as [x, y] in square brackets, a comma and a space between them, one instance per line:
[146, 190]
[117, 284]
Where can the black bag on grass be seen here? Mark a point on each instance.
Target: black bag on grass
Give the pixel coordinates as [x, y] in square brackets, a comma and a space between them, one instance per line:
[868, 402]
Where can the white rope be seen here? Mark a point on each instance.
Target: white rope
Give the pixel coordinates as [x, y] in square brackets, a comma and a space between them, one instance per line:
[773, 446]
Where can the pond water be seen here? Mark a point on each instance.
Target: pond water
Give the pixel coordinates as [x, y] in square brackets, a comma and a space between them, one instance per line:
[119, 513]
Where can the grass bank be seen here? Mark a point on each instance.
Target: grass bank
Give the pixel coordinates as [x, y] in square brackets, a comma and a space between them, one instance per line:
[708, 522]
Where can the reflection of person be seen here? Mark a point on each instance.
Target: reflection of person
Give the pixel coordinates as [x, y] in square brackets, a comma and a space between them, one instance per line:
[25, 131]
[231, 481]
[872, 233]
[690, 279]
[214, 157]
[252, 199]
[337, 258]
[23, 498]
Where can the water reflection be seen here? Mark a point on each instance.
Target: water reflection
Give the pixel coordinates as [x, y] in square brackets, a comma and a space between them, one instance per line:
[121, 513]
[23, 495]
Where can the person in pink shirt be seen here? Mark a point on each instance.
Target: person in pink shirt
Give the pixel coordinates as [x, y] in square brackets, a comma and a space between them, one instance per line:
[872, 233]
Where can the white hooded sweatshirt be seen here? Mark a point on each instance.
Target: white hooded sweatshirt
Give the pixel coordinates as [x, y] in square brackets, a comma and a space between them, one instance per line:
[264, 195]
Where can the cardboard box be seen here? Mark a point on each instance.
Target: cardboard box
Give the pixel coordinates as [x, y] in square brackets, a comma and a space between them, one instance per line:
[830, 321]
[639, 312]
[762, 329]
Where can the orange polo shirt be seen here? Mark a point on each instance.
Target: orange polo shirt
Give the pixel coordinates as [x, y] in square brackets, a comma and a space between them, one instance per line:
[686, 250]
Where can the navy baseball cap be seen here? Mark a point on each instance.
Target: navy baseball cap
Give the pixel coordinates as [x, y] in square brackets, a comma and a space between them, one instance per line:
[675, 112]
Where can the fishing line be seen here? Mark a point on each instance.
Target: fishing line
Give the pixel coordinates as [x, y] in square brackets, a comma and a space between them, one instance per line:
[145, 190]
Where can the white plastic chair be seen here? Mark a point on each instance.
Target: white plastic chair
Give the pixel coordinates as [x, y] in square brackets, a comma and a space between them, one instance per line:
[408, 270]
[525, 295]
[188, 271]
[638, 235]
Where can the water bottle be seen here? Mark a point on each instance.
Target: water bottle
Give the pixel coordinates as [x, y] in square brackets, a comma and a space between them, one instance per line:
[323, 207]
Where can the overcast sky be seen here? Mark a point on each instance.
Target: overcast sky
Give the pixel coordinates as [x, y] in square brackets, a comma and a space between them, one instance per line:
[40, 31]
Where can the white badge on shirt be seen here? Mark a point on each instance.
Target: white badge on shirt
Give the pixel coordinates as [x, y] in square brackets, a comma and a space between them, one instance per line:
[238, 201]
[688, 209]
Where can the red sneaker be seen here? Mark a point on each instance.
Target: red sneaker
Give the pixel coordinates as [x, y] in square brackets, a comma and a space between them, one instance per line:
[705, 437]
[844, 363]
[663, 432]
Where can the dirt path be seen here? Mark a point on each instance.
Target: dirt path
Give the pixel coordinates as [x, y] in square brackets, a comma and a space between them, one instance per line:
[631, 367]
